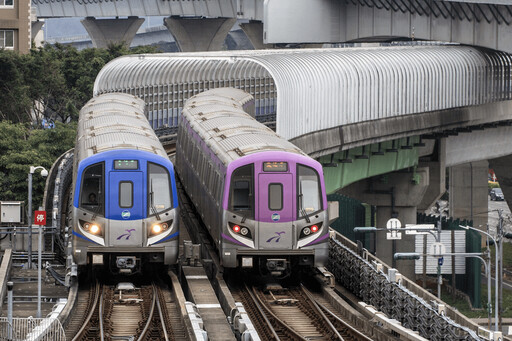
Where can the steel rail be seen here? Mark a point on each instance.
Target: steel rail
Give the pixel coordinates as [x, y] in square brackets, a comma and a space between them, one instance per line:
[150, 315]
[338, 320]
[262, 313]
[91, 312]
[100, 315]
[319, 311]
[277, 319]
[161, 315]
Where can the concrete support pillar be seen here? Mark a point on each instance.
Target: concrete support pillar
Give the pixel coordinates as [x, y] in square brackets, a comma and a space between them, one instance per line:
[396, 195]
[104, 32]
[502, 167]
[468, 192]
[437, 176]
[254, 31]
[199, 34]
[36, 28]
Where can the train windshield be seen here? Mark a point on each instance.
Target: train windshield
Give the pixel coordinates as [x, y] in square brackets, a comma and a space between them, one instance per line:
[159, 188]
[308, 191]
[241, 199]
[91, 195]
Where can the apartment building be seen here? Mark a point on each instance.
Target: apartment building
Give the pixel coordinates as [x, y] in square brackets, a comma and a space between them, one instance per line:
[16, 25]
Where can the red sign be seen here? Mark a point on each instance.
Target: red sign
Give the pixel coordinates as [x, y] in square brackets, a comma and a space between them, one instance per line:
[40, 218]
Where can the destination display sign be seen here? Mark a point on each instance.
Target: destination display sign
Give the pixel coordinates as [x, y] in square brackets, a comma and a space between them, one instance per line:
[275, 166]
[126, 164]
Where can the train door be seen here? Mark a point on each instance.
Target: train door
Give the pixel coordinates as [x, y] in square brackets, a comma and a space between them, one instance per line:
[275, 210]
[126, 207]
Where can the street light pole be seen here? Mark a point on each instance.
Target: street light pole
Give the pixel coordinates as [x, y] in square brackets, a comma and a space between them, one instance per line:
[500, 274]
[496, 286]
[439, 228]
[30, 217]
[44, 173]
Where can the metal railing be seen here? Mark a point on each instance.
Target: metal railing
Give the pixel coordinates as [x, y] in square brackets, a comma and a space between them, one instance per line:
[31, 329]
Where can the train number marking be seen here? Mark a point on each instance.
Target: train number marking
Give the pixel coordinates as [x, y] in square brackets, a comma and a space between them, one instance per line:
[127, 235]
[276, 237]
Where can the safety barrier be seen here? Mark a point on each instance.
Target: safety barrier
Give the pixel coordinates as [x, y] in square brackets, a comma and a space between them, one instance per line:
[31, 329]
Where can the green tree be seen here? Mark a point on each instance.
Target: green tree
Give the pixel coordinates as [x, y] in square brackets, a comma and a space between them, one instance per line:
[24, 147]
[14, 99]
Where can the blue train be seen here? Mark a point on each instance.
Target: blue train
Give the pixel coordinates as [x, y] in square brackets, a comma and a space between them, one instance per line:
[125, 204]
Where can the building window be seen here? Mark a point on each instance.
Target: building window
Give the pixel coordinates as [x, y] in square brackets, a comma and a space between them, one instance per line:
[6, 3]
[6, 39]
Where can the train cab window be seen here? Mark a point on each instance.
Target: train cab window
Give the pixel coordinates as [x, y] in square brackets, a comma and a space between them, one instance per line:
[125, 194]
[308, 191]
[91, 195]
[159, 189]
[241, 197]
[275, 197]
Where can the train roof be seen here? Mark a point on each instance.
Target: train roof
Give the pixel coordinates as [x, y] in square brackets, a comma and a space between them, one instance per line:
[218, 117]
[115, 121]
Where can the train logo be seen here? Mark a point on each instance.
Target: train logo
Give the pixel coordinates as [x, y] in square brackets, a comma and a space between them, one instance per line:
[276, 217]
[125, 214]
[127, 235]
[276, 237]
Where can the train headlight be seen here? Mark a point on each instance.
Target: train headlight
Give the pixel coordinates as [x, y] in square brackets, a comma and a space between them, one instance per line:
[240, 230]
[158, 228]
[309, 230]
[92, 228]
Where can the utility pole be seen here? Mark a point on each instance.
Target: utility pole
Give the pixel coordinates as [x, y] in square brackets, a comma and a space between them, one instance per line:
[439, 227]
[499, 275]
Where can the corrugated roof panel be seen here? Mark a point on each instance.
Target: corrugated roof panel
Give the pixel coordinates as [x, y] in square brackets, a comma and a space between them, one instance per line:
[241, 134]
[115, 121]
[324, 88]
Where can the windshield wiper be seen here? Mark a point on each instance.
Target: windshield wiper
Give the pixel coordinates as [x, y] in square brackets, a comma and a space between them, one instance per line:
[96, 211]
[302, 210]
[151, 201]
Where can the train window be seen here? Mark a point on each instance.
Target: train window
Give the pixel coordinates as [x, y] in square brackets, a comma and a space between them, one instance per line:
[125, 194]
[308, 191]
[241, 191]
[91, 193]
[275, 197]
[159, 189]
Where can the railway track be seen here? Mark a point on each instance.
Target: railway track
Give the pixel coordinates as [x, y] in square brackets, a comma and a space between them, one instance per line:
[125, 312]
[293, 314]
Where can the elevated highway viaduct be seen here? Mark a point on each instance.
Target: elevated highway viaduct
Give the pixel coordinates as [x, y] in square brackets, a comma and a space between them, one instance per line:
[203, 25]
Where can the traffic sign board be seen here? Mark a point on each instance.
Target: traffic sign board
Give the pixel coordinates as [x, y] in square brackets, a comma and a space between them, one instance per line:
[437, 249]
[40, 218]
[419, 228]
[393, 224]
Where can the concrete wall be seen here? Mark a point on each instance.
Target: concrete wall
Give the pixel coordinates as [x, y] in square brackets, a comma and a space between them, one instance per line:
[468, 192]
[396, 195]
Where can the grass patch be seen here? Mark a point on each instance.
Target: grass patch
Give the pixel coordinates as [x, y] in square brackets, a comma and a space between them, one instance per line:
[464, 307]
[507, 255]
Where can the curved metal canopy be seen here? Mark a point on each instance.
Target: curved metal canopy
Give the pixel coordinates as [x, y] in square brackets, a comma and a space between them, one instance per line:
[317, 88]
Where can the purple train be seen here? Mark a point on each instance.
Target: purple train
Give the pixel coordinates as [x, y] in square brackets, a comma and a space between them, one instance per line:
[262, 199]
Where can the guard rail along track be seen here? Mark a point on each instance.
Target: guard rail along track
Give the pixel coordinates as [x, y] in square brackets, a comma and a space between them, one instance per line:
[294, 314]
[404, 301]
[106, 313]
